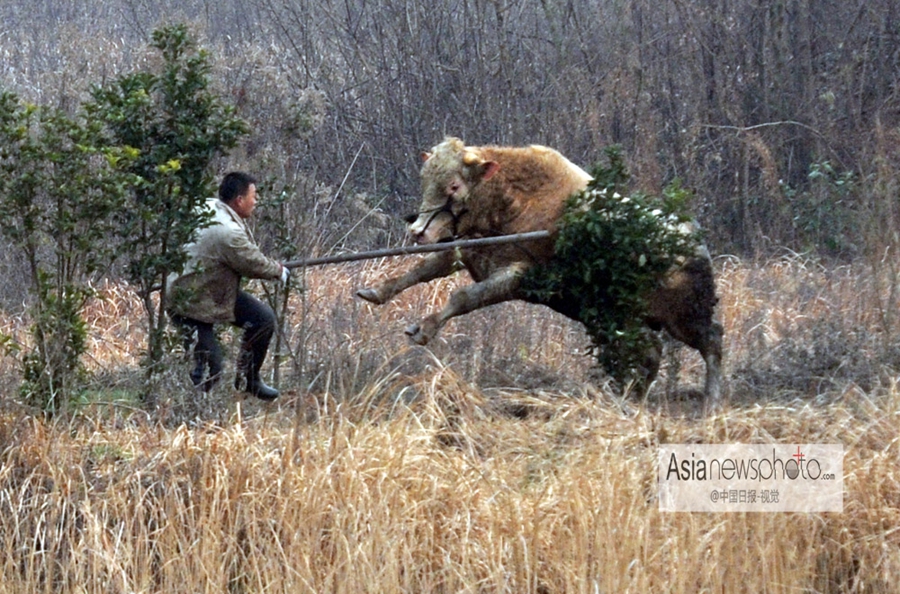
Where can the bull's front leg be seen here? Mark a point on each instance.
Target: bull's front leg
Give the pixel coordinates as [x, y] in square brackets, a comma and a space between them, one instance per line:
[501, 286]
[433, 266]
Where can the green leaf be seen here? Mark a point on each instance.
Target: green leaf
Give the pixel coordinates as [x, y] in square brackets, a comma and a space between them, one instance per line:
[612, 250]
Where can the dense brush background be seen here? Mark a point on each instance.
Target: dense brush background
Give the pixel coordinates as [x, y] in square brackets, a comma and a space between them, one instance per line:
[497, 459]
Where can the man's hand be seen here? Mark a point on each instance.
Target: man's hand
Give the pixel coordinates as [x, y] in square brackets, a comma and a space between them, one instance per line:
[285, 274]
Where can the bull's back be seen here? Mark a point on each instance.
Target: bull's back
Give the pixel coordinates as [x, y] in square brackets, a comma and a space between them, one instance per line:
[536, 182]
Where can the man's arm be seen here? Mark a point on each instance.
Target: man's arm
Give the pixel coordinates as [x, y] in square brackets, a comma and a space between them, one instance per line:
[244, 257]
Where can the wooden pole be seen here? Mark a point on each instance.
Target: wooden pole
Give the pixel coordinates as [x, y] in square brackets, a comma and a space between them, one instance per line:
[420, 249]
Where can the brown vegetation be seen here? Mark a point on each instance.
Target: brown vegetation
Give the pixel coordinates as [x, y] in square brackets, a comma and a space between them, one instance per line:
[494, 460]
[738, 99]
[486, 463]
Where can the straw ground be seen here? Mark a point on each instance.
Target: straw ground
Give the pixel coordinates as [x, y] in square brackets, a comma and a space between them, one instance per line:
[494, 461]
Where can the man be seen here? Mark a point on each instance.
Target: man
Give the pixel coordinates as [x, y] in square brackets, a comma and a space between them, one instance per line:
[208, 291]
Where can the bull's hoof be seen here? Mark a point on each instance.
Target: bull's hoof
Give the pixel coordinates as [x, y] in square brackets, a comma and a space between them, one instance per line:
[370, 295]
[416, 335]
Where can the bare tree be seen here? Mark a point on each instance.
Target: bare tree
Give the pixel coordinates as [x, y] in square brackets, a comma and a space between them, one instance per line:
[742, 100]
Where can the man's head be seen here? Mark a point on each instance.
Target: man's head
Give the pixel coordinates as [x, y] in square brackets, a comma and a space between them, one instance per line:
[238, 190]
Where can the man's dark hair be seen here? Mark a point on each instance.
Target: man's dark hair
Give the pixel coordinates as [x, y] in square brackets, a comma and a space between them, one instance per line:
[235, 184]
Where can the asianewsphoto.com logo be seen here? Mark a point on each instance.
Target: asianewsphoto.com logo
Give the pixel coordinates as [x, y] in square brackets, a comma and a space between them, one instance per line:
[751, 477]
[768, 468]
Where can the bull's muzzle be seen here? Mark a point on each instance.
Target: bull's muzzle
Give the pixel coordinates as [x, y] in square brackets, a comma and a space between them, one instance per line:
[421, 228]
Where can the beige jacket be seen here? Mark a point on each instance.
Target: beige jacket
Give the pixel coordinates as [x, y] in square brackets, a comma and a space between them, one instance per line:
[222, 254]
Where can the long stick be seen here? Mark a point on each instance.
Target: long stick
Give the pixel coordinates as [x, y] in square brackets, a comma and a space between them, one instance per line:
[420, 249]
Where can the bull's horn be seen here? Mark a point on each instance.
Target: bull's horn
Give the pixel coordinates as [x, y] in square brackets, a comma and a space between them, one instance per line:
[471, 158]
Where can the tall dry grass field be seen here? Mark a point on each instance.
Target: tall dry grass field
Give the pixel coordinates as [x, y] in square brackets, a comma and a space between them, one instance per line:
[493, 461]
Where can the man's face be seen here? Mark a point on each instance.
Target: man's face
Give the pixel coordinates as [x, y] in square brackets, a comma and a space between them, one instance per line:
[245, 203]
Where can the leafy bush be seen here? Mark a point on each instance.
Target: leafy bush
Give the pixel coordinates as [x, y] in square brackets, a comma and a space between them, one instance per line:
[825, 214]
[133, 165]
[59, 187]
[179, 127]
[613, 249]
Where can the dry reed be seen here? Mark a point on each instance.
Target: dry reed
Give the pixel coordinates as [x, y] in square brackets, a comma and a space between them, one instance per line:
[488, 463]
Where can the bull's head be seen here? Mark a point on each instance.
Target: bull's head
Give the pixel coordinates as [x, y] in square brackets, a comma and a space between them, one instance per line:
[450, 174]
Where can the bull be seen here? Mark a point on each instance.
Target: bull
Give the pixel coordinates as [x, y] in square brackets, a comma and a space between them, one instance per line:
[472, 192]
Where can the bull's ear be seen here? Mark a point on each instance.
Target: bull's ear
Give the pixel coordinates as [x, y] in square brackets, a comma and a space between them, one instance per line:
[489, 169]
[425, 156]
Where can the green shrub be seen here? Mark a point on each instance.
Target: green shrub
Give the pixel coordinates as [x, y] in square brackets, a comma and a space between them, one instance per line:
[825, 214]
[613, 249]
[60, 185]
[180, 127]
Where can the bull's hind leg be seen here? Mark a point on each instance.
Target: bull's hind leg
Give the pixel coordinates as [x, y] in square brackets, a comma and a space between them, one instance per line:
[711, 352]
[646, 373]
[684, 307]
[497, 288]
[433, 266]
[705, 336]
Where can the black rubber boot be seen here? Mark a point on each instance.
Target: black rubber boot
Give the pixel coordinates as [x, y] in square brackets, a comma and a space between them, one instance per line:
[258, 321]
[200, 344]
[204, 360]
[240, 371]
[255, 385]
[258, 388]
[247, 378]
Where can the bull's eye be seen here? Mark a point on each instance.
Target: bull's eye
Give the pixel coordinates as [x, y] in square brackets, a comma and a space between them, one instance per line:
[454, 188]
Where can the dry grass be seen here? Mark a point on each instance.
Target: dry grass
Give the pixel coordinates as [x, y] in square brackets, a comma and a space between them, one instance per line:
[487, 463]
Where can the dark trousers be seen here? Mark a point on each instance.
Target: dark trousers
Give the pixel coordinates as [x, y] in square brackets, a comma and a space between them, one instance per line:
[258, 321]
